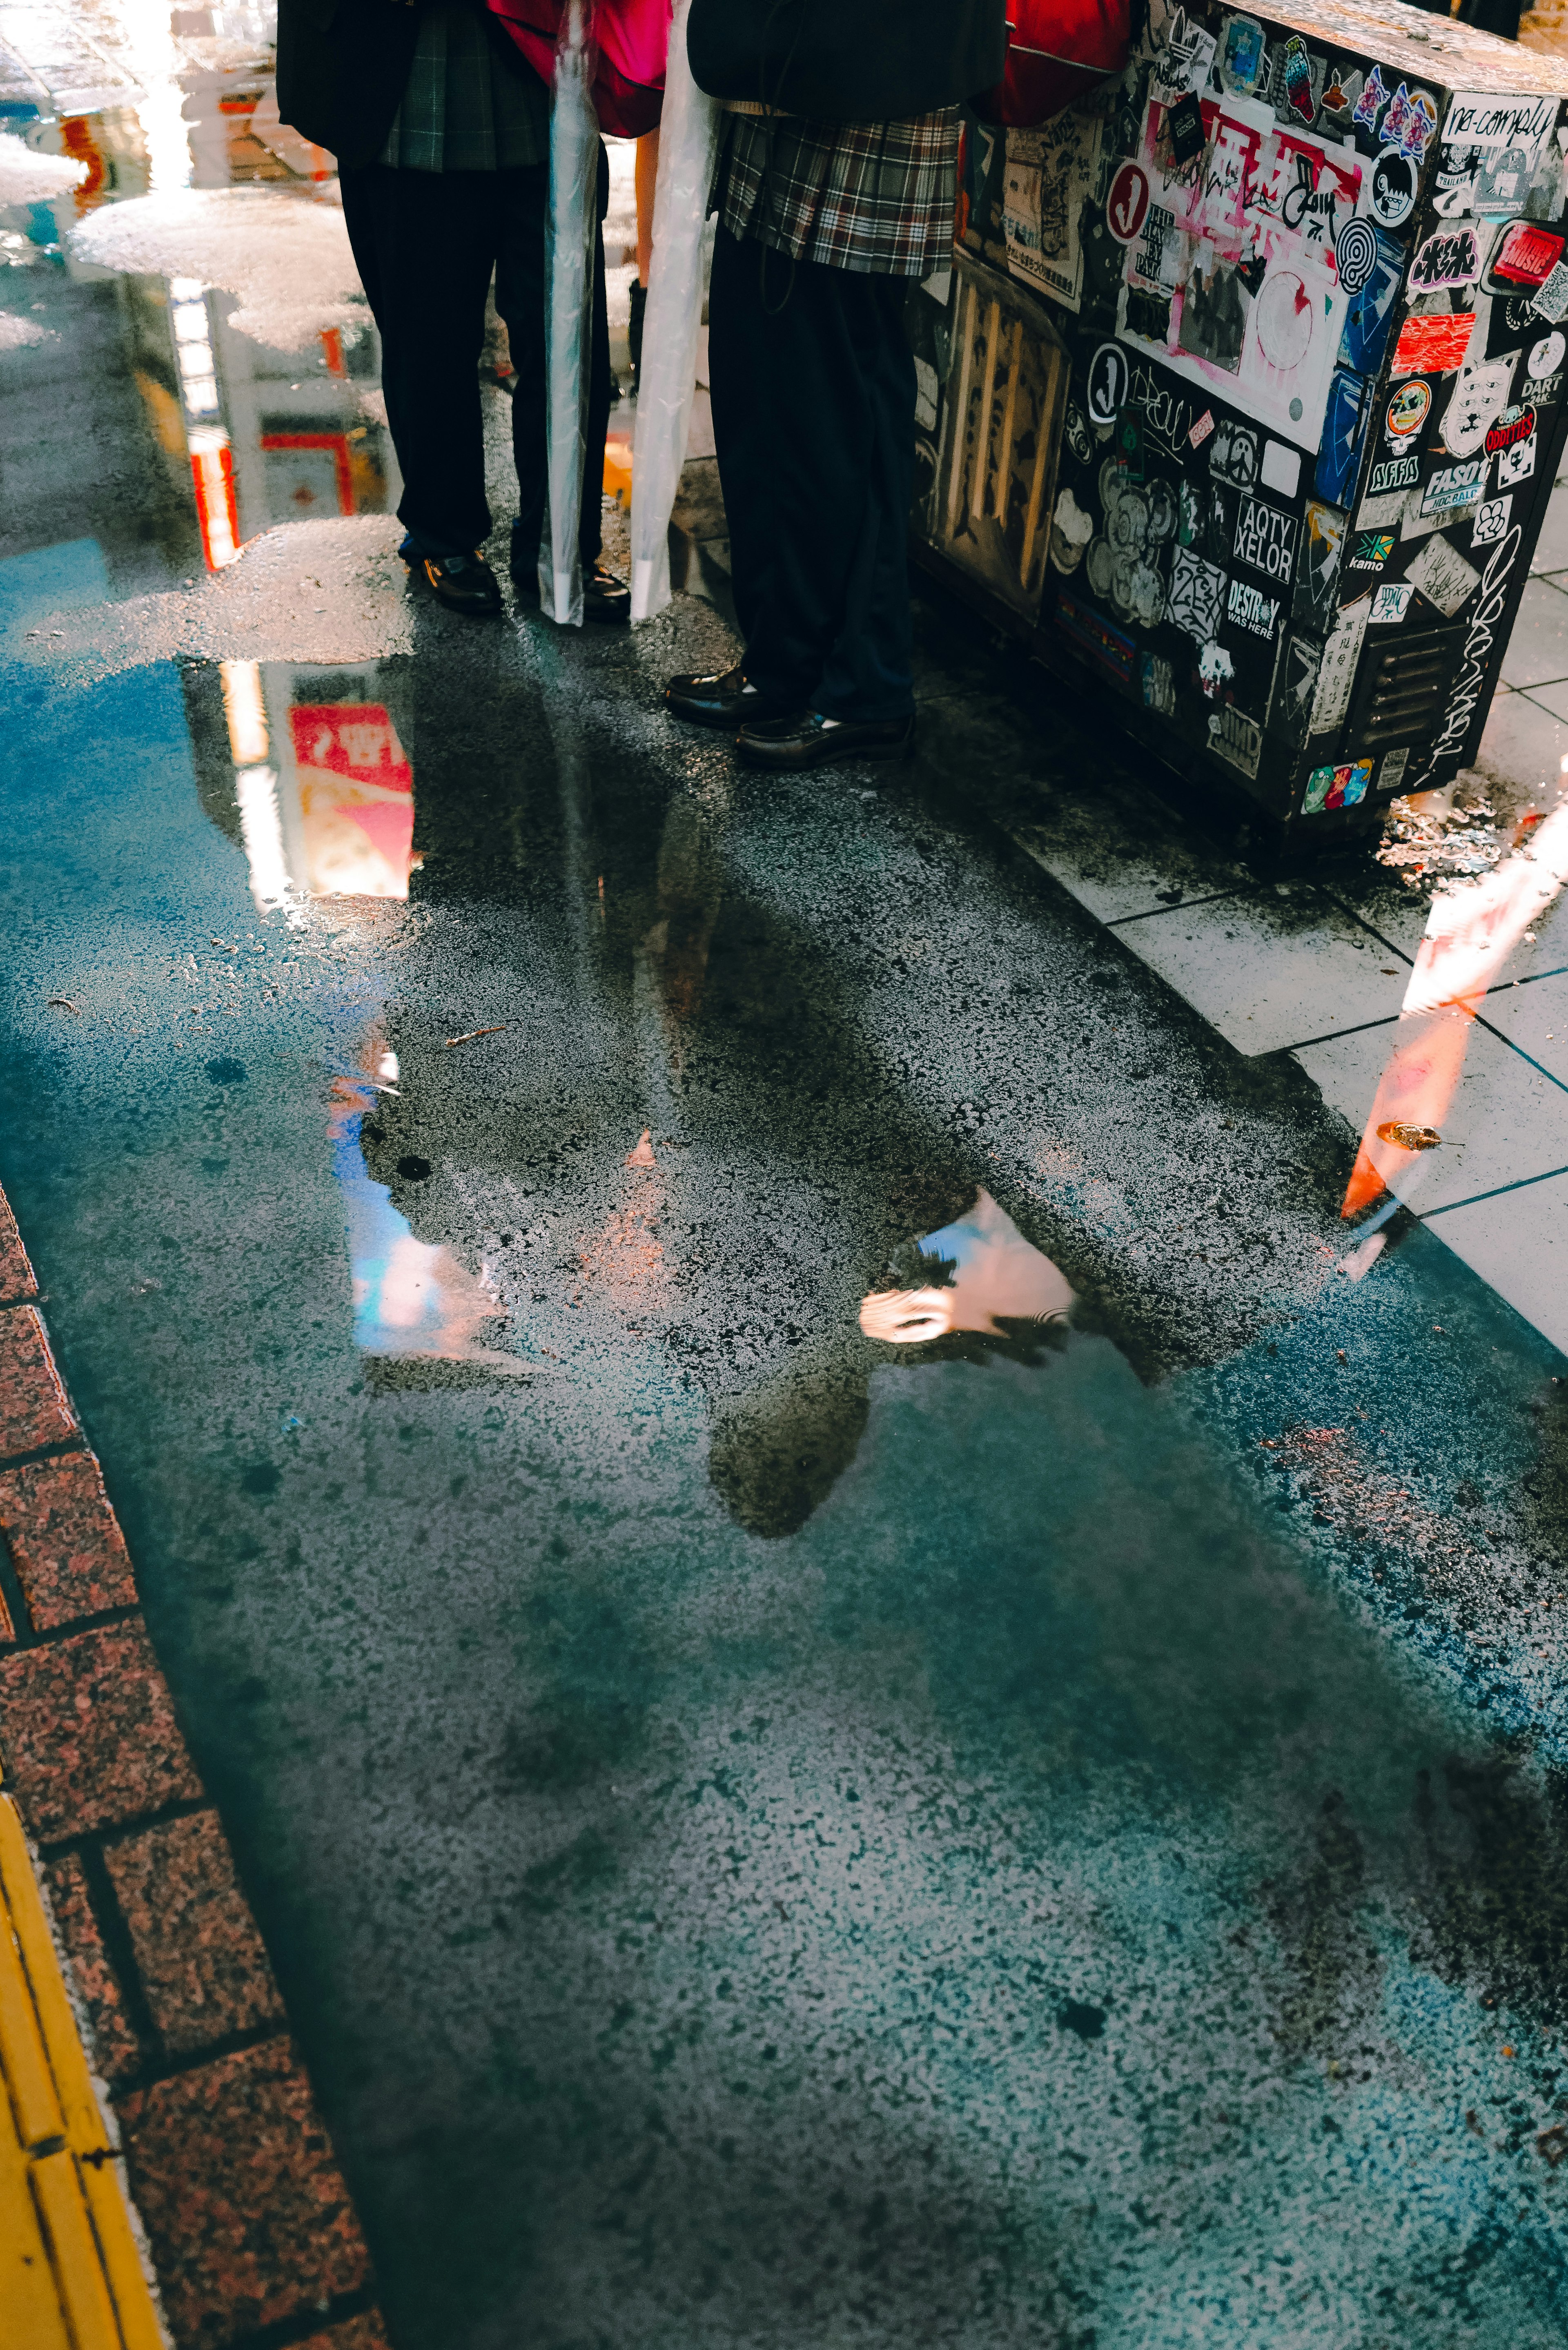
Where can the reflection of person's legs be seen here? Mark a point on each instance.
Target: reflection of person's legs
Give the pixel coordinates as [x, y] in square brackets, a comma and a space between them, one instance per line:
[520, 298]
[423, 245]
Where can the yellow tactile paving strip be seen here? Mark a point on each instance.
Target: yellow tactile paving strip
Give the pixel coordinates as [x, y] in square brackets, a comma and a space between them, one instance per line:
[70, 2276]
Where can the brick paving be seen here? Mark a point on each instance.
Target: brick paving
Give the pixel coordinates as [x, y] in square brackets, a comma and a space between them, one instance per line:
[251, 2227]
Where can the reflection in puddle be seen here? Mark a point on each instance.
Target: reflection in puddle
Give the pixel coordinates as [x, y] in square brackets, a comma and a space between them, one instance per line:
[979, 1275]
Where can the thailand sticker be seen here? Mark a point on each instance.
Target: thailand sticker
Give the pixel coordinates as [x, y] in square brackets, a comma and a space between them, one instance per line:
[1370, 551]
[1523, 258]
[1408, 410]
[1394, 473]
[1391, 603]
[1355, 254]
[1492, 521]
[1109, 375]
[1265, 540]
[1455, 485]
[1450, 257]
[1492, 143]
[1434, 345]
[1544, 356]
[1394, 179]
[1126, 206]
[1475, 399]
[1241, 55]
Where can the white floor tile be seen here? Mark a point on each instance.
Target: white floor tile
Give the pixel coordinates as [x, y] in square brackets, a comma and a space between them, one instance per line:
[1506, 1122]
[1518, 1245]
[1552, 546]
[1538, 647]
[1272, 967]
[1525, 743]
[1535, 1019]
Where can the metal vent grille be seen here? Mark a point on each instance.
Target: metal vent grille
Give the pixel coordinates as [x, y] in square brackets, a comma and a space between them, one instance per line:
[1403, 690]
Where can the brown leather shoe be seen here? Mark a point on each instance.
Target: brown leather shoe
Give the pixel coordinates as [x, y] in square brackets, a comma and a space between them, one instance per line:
[463, 583]
[724, 698]
[809, 740]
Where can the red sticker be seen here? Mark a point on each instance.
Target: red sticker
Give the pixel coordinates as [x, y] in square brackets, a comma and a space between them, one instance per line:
[1435, 345]
[1126, 206]
[1525, 255]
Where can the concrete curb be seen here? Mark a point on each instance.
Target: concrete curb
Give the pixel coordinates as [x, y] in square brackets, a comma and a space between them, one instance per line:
[250, 2230]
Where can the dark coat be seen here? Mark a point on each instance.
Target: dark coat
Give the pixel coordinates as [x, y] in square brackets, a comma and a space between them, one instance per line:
[342, 66]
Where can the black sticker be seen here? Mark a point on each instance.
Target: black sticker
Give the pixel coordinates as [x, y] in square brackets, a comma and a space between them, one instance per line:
[1184, 121]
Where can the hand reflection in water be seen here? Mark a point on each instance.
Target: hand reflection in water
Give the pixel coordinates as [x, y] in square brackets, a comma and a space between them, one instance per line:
[987, 1275]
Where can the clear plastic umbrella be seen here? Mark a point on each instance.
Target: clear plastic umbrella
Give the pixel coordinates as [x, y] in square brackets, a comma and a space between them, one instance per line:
[688, 137]
[569, 308]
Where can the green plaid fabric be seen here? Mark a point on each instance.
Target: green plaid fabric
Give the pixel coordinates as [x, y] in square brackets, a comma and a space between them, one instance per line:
[873, 196]
[464, 108]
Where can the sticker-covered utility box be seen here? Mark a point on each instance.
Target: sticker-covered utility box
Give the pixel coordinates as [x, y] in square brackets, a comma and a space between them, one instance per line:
[1271, 330]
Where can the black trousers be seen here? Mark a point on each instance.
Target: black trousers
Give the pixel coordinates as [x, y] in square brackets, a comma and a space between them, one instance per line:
[813, 420]
[425, 244]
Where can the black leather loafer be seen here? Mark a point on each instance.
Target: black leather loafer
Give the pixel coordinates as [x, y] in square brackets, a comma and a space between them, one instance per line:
[723, 700]
[809, 740]
[606, 599]
[465, 583]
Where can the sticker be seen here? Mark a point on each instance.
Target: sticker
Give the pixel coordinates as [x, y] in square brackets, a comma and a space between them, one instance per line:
[1233, 455]
[1216, 670]
[1492, 521]
[1523, 258]
[1323, 539]
[1047, 182]
[1182, 65]
[1336, 787]
[1391, 775]
[1340, 95]
[1442, 575]
[1492, 143]
[1391, 603]
[1076, 431]
[1407, 409]
[1266, 540]
[1435, 345]
[1545, 355]
[1337, 673]
[1241, 55]
[1237, 738]
[1455, 485]
[1280, 469]
[1348, 396]
[1370, 551]
[1509, 429]
[1371, 103]
[1197, 595]
[1108, 380]
[1157, 680]
[1516, 463]
[1184, 128]
[1394, 179]
[1549, 388]
[1394, 473]
[1071, 531]
[1411, 119]
[1449, 257]
[1369, 314]
[1096, 637]
[1201, 429]
[1298, 683]
[1355, 255]
[1126, 205]
[1552, 297]
[1475, 399]
[1300, 95]
[1249, 608]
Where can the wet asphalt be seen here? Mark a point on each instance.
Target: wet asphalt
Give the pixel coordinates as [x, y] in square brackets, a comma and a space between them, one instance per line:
[1054, 1835]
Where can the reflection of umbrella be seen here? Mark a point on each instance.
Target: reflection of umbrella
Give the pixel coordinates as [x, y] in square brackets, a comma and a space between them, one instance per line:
[997, 1277]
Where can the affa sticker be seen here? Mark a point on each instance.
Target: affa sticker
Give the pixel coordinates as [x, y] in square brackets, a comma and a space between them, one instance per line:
[1394, 473]
[1336, 787]
[1371, 551]
[1391, 603]
[1450, 257]
[1492, 521]
[1408, 410]
[1435, 345]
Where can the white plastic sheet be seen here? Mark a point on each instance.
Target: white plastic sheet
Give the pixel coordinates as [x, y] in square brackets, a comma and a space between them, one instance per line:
[568, 309]
[688, 137]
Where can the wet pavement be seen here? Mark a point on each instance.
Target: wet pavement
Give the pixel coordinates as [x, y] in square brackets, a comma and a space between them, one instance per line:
[795, 1790]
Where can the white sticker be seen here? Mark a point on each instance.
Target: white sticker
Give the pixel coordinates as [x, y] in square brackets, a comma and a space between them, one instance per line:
[1201, 429]
[1492, 521]
[1281, 469]
[1455, 485]
[1449, 257]
[1544, 356]
[1552, 300]
[1395, 763]
[1516, 465]
[1391, 602]
[1183, 63]
[1337, 673]
[1442, 575]
[1477, 393]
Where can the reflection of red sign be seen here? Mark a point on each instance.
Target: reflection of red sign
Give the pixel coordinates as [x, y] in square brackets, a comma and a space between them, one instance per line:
[1126, 206]
[335, 446]
[1435, 345]
[355, 799]
[1525, 255]
[1514, 425]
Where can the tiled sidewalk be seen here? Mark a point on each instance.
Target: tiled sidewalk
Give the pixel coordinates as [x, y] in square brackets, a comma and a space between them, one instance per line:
[251, 2232]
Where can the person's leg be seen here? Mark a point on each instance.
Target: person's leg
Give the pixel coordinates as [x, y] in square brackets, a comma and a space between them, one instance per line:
[423, 245]
[742, 390]
[829, 621]
[520, 298]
